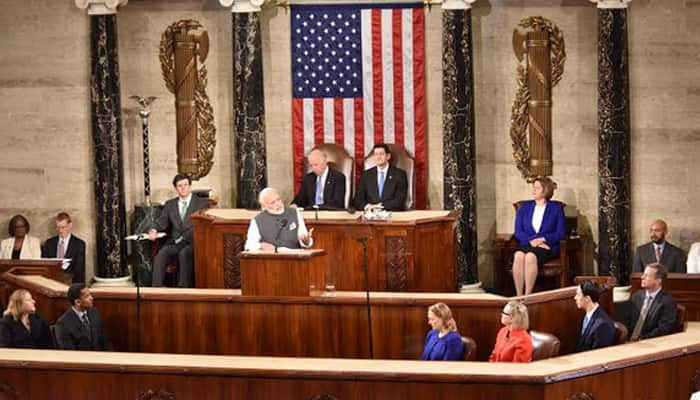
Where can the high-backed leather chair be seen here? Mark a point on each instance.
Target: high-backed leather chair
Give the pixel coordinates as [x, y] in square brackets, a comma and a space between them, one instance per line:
[339, 160]
[681, 323]
[400, 159]
[544, 345]
[469, 348]
[621, 333]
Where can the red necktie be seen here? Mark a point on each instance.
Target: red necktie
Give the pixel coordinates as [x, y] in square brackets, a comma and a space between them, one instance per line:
[658, 254]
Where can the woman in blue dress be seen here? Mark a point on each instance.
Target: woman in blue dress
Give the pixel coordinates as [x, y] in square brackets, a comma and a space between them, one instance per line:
[443, 342]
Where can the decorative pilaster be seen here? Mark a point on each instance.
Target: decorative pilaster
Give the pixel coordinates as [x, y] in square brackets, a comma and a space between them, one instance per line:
[459, 154]
[614, 254]
[249, 102]
[107, 138]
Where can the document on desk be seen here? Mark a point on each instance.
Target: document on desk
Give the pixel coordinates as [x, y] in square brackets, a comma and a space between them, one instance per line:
[144, 236]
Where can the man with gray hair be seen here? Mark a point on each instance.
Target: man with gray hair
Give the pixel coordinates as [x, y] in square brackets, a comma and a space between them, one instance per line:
[277, 225]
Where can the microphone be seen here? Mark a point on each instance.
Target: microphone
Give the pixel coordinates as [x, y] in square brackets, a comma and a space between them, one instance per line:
[282, 223]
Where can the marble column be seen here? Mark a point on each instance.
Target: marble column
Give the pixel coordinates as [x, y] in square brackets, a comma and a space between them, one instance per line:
[249, 102]
[614, 252]
[110, 213]
[459, 153]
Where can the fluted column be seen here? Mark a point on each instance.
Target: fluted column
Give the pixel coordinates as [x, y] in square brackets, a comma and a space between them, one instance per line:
[249, 102]
[614, 252]
[459, 154]
[110, 209]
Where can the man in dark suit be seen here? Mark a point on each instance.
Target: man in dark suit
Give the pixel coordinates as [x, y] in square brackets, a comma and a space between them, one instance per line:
[80, 327]
[383, 186]
[597, 329]
[67, 245]
[653, 310]
[322, 186]
[175, 217]
[659, 251]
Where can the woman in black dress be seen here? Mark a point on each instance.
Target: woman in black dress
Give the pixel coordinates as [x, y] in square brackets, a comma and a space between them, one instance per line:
[21, 326]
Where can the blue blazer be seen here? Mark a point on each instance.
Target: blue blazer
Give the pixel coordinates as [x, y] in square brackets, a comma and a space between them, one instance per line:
[446, 348]
[553, 227]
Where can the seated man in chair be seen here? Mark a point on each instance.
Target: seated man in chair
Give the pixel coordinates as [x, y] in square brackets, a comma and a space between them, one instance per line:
[176, 217]
[383, 186]
[323, 186]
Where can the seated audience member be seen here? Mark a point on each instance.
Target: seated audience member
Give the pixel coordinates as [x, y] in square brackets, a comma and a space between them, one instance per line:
[277, 225]
[693, 263]
[443, 342]
[80, 327]
[659, 251]
[20, 245]
[322, 186]
[67, 245]
[21, 326]
[539, 227]
[382, 186]
[597, 330]
[513, 343]
[175, 217]
[653, 309]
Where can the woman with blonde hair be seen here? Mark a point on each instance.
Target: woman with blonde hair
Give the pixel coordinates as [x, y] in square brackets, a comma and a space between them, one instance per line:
[443, 342]
[513, 343]
[21, 326]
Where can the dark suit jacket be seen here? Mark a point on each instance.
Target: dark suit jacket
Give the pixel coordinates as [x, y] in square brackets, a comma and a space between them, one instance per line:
[672, 258]
[553, 228]
[14, 334]
[600, 332]
[169, 219]
[75, 251]
[661, 317]
[333, 190]
[393, 195]
[71, 334]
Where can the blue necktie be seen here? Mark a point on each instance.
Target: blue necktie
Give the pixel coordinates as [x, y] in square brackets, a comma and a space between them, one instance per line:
[585, 324]
[319, 191]
[381, 183]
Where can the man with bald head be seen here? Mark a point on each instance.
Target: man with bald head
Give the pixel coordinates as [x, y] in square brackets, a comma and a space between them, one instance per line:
[277, 225]
[659, 251]
[323, 186]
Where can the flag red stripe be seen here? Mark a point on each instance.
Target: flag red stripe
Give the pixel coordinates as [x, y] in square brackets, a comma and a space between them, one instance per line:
[298, 140]
[377, 73]
[398, 75]
[419, 104]
[318, 121]
[339, 121]
[359, 138]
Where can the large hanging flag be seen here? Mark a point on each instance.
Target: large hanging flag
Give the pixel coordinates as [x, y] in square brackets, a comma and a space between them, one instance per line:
[358, 78]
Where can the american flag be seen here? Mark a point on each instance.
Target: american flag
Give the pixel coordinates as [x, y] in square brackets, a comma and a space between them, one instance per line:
[358, 78]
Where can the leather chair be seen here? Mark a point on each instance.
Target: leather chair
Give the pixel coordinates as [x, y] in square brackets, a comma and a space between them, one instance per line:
[338, 160]
[621, 333]
[681, 323]
[544, 345]
[400, 159]
[469, 348]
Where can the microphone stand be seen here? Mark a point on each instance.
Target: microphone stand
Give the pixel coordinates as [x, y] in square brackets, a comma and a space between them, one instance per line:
[363, 240]
[138, 311]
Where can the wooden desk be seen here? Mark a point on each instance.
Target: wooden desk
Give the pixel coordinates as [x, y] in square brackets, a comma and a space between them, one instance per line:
[669, 364]
[221, 321]
[265, 273]
[685, 288]
[414, 252]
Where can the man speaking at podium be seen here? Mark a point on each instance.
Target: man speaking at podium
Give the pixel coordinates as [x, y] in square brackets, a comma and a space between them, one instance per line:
[276, 226]
[323, 186]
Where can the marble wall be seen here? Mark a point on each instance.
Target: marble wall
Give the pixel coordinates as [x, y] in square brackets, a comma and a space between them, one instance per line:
[45, 117]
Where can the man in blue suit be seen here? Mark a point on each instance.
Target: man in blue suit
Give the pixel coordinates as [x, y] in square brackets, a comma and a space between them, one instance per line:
[597, 329]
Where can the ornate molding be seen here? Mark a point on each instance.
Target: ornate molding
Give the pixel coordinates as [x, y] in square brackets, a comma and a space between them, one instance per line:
[581, 396]
[233, 245]
[457, 4]
[7, 391]
[243, 6]
[396, 263]
[156, 394]
[611, 3]
[100, 7]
